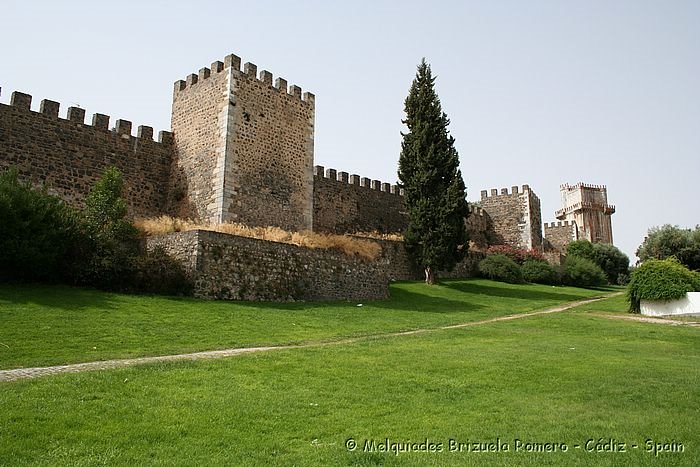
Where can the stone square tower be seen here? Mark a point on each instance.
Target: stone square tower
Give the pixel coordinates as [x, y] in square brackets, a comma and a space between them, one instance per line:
[516, 216]
[244, 148]
[586, 206]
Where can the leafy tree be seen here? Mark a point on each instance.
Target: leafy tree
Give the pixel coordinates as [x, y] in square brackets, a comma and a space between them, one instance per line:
[113, 239]
[581, 249]
[429, 172]
[38, 232]
[672, 241]
[614, 263]
[106, 209]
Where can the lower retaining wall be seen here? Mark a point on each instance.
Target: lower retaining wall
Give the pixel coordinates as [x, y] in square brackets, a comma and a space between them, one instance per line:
[688, 305]
[228, 267]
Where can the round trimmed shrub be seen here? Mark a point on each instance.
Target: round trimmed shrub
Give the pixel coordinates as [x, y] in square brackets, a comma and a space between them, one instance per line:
[582, 272]
[501, 268]
[539, 272]
[664, 279]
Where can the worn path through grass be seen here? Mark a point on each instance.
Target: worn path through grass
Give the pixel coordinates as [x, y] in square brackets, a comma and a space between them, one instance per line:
[48, 326]
[23, 373]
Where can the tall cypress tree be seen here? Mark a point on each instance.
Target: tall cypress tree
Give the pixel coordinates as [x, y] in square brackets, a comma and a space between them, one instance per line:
[433, 187]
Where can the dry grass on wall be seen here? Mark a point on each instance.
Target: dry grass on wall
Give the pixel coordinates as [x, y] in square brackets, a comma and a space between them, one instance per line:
[396, 237]
[344, 243]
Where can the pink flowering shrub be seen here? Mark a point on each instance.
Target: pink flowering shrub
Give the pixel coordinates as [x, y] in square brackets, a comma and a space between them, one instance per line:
[519, 255]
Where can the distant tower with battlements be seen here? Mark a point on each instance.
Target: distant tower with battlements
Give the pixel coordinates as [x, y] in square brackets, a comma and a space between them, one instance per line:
[587, 207]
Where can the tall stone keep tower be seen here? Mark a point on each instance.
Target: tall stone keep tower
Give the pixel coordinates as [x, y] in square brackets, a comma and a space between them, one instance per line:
[587, 206]
[244, 147]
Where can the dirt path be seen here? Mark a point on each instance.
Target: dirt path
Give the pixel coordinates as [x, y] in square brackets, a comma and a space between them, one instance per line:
[649, 319]
[25, 373]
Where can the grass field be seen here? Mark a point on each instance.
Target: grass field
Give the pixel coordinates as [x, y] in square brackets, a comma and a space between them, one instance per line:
[548, 382]
[56, 325]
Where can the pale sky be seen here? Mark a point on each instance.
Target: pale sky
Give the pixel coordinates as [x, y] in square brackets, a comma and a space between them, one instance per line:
[538, 92]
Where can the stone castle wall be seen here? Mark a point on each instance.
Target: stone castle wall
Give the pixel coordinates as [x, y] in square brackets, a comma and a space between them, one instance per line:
[516, 216]
[69, 156]
[242, 151]
[245, 146]
[229, 267]
[348, 203]
[559, 235]
[534, 219]
[480, 228]
[199, 124]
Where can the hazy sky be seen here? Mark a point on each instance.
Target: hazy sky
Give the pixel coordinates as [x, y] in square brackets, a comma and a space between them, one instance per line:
[538, 92]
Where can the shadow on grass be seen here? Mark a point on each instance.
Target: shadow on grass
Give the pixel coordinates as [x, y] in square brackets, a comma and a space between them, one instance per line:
[514, 292]
[403, 297]
[55, 296]
[409, 300]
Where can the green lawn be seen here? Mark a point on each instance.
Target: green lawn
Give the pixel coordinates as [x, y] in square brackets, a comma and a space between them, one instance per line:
[614, 305]
[559, 378]
[45, 325]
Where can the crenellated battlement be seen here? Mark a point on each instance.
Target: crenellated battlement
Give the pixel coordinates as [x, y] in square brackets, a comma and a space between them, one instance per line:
[587, 204]
[475, 210]
[558, 225]
[232, 62]
[514, 190]
[558, 235]
[607, 209]
[354, 179]
[566, 186]
[515, 214]
[50, 109]
[68, 155]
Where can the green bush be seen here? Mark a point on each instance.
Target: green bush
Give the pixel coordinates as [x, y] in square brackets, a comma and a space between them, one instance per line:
[113, 240]
[43, 239]
[501, 268]
[660, 280]
[581, 249]
[39, 233]
[582, 272]
[614, 263]
[539, 272]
